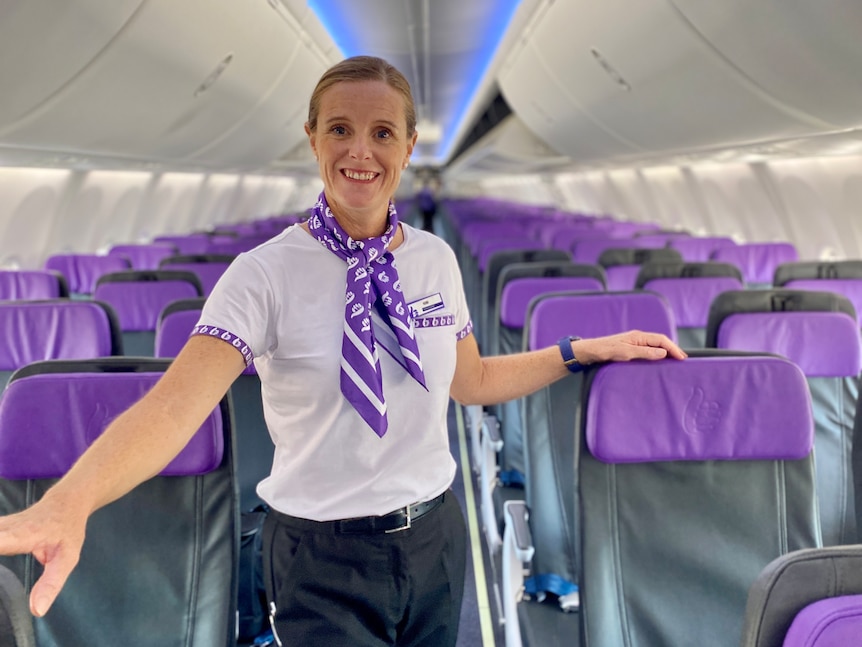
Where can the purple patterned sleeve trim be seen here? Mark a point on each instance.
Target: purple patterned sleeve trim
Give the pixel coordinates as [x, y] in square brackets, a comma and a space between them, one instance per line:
[466, 330]
[229, 337]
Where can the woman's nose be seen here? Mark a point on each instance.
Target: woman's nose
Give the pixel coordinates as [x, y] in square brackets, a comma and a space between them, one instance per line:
[359, 148]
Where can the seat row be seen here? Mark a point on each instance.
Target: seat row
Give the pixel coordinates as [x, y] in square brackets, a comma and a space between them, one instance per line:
[530, 301]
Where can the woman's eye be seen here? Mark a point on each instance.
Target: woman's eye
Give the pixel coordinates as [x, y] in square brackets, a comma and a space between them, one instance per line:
[339, 130]
[384, 134]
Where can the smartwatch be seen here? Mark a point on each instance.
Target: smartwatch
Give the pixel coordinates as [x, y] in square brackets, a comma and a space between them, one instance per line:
[569, 359]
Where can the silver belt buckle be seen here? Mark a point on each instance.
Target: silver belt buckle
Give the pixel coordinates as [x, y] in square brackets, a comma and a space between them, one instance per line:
[406, 526]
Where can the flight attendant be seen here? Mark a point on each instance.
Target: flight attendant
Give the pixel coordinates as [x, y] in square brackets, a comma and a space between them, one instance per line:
[359, 330]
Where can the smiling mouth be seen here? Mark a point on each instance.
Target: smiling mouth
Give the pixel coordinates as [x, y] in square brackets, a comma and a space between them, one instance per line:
[364, 176]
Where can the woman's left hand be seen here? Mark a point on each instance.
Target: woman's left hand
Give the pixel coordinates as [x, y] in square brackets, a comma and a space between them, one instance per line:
[626, 346]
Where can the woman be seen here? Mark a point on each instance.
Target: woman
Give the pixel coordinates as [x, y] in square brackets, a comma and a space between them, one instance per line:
[364, 546]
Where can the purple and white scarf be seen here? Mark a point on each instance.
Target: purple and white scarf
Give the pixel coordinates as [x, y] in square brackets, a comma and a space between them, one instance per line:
[372, 278]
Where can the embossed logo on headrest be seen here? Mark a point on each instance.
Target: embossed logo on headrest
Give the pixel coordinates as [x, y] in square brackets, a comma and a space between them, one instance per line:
[701, 416]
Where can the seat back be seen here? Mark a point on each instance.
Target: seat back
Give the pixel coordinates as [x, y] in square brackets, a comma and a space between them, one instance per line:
[842, 277]
[159, 565]
[817, 331]
[255, 447]
[756, 261]
[833, 622]
[144, 257]
[689, 289]
[805, 590]
[699, 248]
[520, 283]
[55, 329]
[622, 264]
[689, 484]
[207, 267]
[81, 271]
[549, 446]
[16, 623]
[516, 296]
[490, 279]
[175, 324]
[19, 285]
[139, 296]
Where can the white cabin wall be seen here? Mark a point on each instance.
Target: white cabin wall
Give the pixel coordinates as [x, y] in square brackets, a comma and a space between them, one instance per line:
[48, 211]
[814, 203]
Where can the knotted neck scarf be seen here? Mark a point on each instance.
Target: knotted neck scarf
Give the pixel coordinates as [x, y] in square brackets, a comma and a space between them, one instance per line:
[372, 281]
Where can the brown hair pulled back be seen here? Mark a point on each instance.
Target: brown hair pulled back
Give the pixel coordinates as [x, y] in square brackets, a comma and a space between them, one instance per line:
[363, 68]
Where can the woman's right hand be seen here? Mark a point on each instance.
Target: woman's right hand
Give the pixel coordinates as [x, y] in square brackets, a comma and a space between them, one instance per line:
[53, 531]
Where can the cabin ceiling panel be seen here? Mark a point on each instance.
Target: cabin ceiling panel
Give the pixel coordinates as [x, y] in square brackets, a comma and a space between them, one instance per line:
[44, 44]
[164, 88]
[649, 80]
[805, 54]
[275, 124]
[532, 89]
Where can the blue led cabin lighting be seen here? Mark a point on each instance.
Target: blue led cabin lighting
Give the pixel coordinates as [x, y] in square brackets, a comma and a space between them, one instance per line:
[338, 18]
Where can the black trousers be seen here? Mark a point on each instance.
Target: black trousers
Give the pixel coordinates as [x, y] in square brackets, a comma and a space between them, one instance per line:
[402, 589]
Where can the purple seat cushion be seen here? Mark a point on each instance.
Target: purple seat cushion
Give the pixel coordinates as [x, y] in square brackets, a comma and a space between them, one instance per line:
[703, 408]
[518, 293]
[850, 288]
[757, 261]
[28, 284]
[47, 421]
[139, 303]
[832, 622]
[596, 315]
[823, 344]
[36, 331]
[690, 297]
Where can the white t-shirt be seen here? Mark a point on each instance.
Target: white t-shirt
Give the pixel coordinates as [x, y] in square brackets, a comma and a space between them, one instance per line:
[284, 301]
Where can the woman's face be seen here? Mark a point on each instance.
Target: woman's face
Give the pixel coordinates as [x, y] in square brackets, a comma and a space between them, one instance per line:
[362, 145]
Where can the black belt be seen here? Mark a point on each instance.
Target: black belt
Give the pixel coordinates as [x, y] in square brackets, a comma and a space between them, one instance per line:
[401, 519]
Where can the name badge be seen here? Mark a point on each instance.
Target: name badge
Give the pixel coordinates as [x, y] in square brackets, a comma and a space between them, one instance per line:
[425, 305]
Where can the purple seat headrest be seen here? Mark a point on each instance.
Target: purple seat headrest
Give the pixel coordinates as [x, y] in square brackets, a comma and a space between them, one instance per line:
[144, 257]
[174, 331]
[690, 297]
[83, 270]
[36, 331]
[757, 261]
[139, 303]
[589, 250]
[188, 244]
[491, 247]
[699, 249]
[596, 315]
[831, 622]
[47, 421]
[518, 293]
[28, 284]
[850, 288]
[701, 408]
[823, 344]
[622, 277]
[208, 273]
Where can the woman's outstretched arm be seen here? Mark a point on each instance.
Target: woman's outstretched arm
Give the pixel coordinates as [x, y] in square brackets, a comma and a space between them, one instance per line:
[490, 380]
